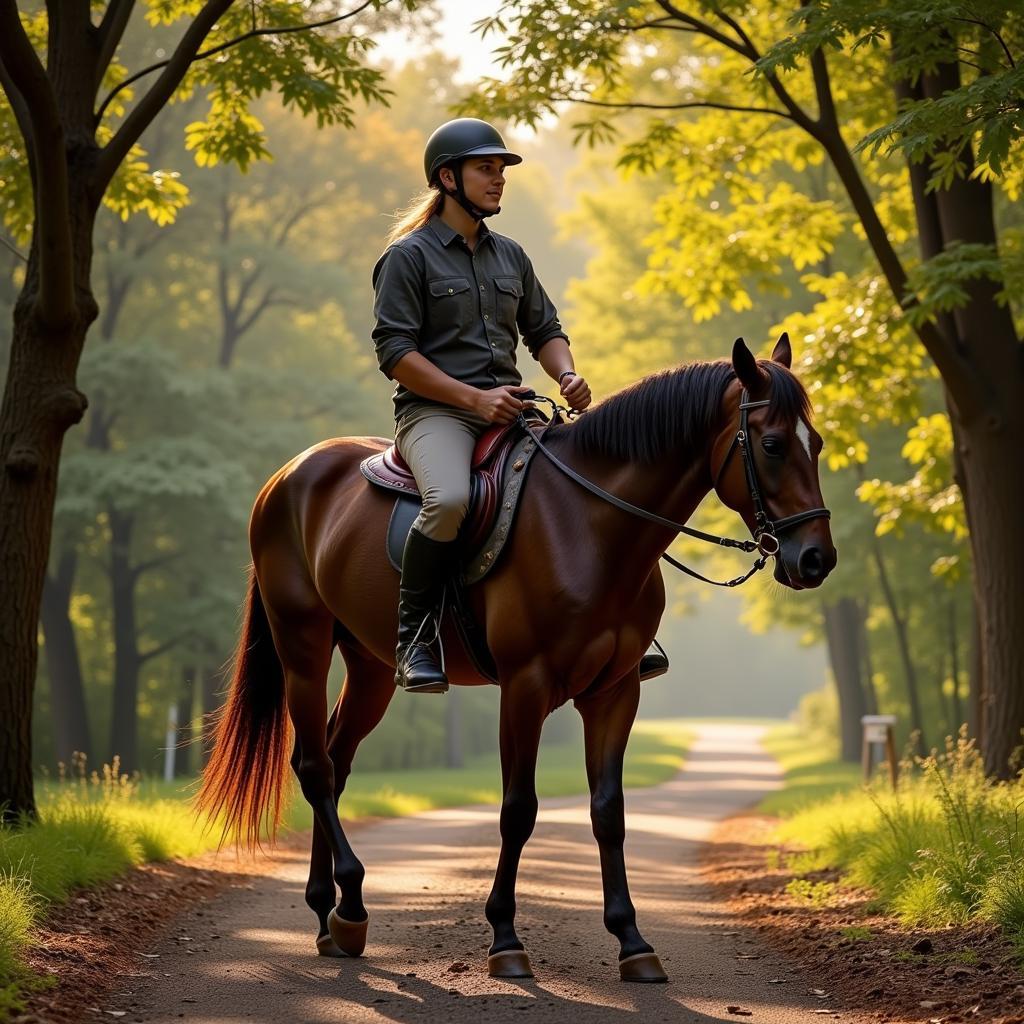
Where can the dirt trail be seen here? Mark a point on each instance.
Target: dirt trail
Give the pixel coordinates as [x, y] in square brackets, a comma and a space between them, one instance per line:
[249, 955]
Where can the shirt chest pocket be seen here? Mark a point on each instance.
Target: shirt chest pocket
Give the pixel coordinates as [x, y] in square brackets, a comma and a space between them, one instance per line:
[450, 303]
[508, 293]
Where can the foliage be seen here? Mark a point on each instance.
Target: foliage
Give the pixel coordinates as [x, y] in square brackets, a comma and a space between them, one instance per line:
[810, 771]
[986, 112]
[253, 51]
[725, 197]
[945, 848]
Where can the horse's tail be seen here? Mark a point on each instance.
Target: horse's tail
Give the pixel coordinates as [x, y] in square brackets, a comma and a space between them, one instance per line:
[244, 777]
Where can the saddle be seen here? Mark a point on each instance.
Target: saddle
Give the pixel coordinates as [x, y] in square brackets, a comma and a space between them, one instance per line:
[498, 469]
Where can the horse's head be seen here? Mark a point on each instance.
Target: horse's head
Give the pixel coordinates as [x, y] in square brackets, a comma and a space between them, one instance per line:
[765, 466]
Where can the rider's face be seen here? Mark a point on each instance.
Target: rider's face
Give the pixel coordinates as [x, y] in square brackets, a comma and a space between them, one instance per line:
[483, 178]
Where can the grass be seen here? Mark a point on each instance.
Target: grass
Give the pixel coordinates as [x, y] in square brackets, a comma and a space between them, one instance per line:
[945, 849]
[655, 753]
[94, 828]
[810, 774]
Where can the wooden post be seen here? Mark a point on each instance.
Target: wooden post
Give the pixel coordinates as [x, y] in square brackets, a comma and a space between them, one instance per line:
[878, 730]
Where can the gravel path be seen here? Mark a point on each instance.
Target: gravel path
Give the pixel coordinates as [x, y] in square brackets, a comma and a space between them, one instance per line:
[248, 956]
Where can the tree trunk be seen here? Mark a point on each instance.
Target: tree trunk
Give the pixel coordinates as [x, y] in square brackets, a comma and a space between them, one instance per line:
[987, 444]
[975, 699]
[213, 698]
[40, 403]
[127, 663]
[954, 667]
[903, 643]
[453, 730]
[183, 750]
[843, 620]
[868, 668]
[996, 490]
[68, 708]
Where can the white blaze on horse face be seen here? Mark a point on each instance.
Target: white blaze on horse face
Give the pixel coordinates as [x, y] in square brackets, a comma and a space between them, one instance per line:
[804, 434]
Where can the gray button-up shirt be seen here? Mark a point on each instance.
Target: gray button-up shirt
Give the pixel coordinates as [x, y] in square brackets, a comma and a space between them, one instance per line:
[463, 310]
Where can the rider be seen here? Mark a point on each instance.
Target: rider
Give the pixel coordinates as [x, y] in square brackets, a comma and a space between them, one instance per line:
[451, 299]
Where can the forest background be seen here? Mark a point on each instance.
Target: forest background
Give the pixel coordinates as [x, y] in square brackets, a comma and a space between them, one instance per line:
[234, 331]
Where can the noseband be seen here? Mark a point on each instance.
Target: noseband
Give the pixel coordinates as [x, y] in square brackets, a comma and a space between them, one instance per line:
[767, 530]
[765, 542]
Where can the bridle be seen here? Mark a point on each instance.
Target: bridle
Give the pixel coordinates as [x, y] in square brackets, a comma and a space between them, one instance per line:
[766, 531]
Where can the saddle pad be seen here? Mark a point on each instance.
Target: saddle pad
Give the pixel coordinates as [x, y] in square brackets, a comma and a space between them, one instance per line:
[485, 557]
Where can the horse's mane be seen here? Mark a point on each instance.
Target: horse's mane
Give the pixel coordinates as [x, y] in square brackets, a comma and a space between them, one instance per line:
[675, 409]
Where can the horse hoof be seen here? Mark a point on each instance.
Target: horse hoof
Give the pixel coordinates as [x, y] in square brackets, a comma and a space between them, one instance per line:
[642, 967]
[326, 946]
[509, 963]
[348, 936]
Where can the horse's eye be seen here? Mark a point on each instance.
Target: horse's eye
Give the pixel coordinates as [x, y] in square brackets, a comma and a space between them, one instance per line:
[773, 446]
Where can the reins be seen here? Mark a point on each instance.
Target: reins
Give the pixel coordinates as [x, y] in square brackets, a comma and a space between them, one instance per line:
[765, 541]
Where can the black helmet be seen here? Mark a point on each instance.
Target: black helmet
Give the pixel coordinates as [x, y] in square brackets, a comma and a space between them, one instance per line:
[464, 137]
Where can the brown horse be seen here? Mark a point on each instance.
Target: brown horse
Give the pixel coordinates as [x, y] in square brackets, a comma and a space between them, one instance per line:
[568, 612]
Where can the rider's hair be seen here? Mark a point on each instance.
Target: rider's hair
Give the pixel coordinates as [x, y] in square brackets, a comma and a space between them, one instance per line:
[420, 209]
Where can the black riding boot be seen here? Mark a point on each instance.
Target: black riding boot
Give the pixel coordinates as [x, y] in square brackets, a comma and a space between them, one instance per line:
[424, 571]
[652, 665]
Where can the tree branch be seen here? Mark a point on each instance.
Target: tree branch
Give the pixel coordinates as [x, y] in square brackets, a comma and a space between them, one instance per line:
[154, 563]
[110, 32]
[745, 48]
[989, 28]
[155, 652]
[221, 47]
[21, 113]
[160, 92]
[257, 311]
[705, 29]
[13, 248]
[695, 105]
[292, 221]
[655, 23]
[56, 302]
[822, 86]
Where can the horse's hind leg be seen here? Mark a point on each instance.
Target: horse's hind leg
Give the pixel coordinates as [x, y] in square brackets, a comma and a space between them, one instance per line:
[304, 639]
[522, 716]
[607, 719]
[369, 686]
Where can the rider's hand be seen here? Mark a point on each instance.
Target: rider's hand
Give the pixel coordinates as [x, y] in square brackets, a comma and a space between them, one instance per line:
[576, 391]
[500, 405]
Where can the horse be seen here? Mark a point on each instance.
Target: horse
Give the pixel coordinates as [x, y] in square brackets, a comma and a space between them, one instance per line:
[568, 611]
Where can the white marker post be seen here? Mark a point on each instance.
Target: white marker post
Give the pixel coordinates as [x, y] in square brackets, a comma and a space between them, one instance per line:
[877, 733]
[170, 742]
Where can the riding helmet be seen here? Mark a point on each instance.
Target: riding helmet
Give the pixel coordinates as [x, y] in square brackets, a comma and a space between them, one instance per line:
[461, 138]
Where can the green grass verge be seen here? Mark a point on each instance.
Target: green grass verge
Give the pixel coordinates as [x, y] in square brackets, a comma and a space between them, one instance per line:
[91, 831]
[811, 773]
[946, 848]
[656, 752]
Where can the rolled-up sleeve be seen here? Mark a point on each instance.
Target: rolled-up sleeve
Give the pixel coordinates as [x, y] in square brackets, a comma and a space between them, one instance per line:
[537, 318]
[397, 307]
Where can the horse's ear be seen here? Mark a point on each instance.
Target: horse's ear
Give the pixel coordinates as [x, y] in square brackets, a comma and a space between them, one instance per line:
[782, 352]
[745, 365]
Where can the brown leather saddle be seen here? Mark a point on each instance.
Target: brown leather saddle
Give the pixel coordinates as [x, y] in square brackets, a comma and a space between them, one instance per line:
[500, 460]
[499, 464]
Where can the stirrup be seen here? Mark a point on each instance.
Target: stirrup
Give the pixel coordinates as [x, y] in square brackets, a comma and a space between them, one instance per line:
[654, 665]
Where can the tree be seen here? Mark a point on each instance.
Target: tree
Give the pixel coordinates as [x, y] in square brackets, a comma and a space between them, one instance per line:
[81, 151]
[937, 83]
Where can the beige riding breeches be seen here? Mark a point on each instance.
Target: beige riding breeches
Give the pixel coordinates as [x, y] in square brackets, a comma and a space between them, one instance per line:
[438, 446]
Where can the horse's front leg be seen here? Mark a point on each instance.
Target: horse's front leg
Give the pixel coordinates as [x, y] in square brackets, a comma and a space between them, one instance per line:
[607, 719]
[523, 709]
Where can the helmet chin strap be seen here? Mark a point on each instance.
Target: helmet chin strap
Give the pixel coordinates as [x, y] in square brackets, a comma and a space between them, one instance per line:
[459, 195]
